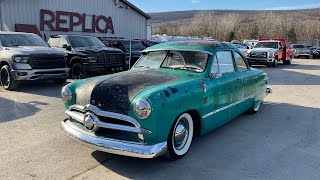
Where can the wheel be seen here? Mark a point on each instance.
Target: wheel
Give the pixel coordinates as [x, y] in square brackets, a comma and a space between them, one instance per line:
[287, 62]
[77, 71]
[7, 81]
[180, 137]
[253, 109]
[275, 63]
[60, 81]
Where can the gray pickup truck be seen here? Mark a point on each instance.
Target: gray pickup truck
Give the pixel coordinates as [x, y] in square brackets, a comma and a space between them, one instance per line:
[26, 57]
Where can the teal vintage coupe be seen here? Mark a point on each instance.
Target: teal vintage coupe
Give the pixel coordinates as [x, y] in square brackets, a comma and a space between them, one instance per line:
[174, 92]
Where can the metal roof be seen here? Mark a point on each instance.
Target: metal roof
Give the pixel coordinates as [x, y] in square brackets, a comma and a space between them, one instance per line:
[136, 8]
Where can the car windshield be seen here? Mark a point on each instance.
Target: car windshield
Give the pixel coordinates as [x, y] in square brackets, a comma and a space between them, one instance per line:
[182, 60]
[299, 46]
[11, 40]
[273, 45]
[85, 41]
[135, 45]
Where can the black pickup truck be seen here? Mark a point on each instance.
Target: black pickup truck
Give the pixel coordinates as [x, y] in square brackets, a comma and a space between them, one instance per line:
[26, 57]
[88, 56]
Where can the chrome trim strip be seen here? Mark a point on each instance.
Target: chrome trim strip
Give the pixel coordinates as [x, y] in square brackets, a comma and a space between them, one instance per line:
[90, 108]
[80, 118]
[233, 104]
[113, 146]
[98, 112]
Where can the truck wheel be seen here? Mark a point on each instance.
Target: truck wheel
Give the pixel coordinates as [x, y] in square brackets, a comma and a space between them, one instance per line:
[180, 137]
[77, 71]
[275, 63]
[6, 79]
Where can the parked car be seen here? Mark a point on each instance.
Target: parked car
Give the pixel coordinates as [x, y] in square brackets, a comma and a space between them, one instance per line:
[243, 49]
[301, 50]
[148, 43]
[88, 56]
[251, 42]
[270, 51]
[173, 93]
[315, 52]
[132, 48]
[26, 57]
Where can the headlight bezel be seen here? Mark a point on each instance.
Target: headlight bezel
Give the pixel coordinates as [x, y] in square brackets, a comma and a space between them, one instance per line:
[21, 59]
[66, 95]
[271, 55]
[142, 108]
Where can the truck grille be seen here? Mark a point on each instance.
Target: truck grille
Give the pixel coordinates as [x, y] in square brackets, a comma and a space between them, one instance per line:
[111, 58]
[258, 54]
[47, 61]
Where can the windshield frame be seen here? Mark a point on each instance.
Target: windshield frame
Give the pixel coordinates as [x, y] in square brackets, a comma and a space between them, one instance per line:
[265, 42]
[165, 57]
[299, 46]
[70, 40]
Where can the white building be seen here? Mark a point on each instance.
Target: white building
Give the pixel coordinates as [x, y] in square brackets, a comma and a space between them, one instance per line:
[106, 18]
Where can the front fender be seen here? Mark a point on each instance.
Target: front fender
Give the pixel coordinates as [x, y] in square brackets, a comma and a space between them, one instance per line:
[167, 104]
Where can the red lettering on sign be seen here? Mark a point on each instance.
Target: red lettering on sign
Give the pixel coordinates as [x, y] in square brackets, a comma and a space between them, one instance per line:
[60, 21]
[74, 23]
[44, 22]
[109, 25]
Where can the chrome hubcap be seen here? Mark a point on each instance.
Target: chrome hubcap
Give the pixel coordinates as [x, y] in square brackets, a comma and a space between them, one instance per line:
[181, 134]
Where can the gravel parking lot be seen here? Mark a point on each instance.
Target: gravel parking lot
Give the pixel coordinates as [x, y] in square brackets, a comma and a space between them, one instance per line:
[282, 141]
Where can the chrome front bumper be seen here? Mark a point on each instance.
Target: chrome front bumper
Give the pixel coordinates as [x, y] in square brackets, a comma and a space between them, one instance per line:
[87, 137]
[39, 74]
[113, 146]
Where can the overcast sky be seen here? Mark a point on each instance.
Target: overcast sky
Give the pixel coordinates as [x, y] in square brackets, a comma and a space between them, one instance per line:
[179, 5]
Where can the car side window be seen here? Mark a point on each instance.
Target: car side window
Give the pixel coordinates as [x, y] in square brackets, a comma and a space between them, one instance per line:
[54, 42]
[62, 42]
[225, 61]
[215, 66]
[241, 64]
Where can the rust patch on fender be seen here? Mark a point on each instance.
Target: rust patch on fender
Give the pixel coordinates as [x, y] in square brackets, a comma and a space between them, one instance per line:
[166, 93]
[174, 90]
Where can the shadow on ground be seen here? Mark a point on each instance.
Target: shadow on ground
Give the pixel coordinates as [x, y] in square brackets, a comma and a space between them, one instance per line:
[42, 88]
[251, 146]
[12, 110]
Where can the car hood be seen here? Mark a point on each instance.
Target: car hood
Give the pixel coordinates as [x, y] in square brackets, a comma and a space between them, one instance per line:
[114, 93]
[30, 50]
[95, 50]
[263, 50]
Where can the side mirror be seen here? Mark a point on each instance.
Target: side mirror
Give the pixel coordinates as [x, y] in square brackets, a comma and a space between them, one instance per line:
[67, 47]
[216, 75]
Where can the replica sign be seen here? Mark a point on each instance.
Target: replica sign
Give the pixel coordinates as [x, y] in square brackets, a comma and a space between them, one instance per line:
[68, 21]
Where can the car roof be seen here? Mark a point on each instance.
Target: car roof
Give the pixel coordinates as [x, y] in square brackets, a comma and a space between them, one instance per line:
[203, 46]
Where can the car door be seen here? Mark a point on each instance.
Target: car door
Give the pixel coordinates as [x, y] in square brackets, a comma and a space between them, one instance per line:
[225, 89]
[248, 80]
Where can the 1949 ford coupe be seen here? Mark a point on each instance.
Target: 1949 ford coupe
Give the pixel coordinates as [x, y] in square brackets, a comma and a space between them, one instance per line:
[174, 92]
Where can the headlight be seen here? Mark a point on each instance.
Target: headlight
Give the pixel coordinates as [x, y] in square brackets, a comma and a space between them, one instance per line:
[21, 59]
[271, 55]
[66, 94]
[142, 108]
